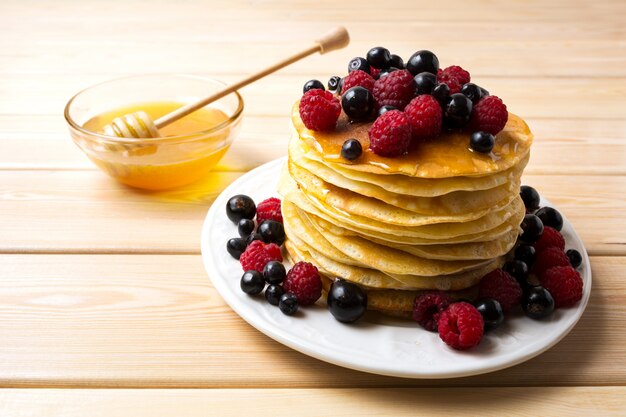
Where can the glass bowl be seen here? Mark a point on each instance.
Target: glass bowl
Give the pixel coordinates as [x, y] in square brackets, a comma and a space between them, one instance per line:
[153, 163]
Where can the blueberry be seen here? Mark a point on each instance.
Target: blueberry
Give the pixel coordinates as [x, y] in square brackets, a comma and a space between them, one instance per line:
[358, 103]
[240, 207]
[492, 313]
[236, 246]
[333, 82]
[526, 254]
[384, 109]
[423, 61]
[379, 57]
[273, 294]
[575, 258]
[253, 237]
[518, 270]
[274, 272]
[532, 229]
[457, 110]
[472, 91]
[288, 304]
[347, 301]
[245, 227]
[530, 196]
[537, 303]
[482, 142]
[441, 92]
[387, 71]
[351, 149]
[312, 85]
[359, 63]
[272, 231]
[397, 62]
[252, 283]
[550, 217]
[425, 82]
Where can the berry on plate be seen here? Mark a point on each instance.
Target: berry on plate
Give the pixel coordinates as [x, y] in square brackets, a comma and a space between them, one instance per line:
[269, 209]
[346, 301]
[565, 285]
[303, 280]
[454, 77]
[461, 326]
[288, 304]
[549, 238]
[537, 303]
[549, 258]
[492, 313]
[319, 109]
[530, 196]
[258, 254]
[390, 135]
[272, 232]
[550, 217]
[252, 283]
[240, 207]
[575, 258]
[500, 286]
[427, 308]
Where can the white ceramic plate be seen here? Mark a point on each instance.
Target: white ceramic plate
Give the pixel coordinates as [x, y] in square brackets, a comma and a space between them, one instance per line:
[375, 344]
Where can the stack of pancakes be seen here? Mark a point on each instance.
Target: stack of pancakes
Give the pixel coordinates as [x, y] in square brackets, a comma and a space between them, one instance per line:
[437, 218]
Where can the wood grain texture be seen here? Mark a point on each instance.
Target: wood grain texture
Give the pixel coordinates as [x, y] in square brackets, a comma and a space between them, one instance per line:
[433, 402]
[156, 321]
[102, 286]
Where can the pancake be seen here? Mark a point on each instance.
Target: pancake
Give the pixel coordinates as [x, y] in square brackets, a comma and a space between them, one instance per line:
[399, 184]
[427, 159]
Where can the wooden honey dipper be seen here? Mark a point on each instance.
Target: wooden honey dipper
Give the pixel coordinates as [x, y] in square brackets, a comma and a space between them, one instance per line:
[140, 125]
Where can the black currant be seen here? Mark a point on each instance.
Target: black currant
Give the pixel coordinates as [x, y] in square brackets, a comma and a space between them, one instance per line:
[272, 231]
[530, 196]
[550, 217]
[518, 270]
[252, 282]
[358, 103]
[379, 57]
[333, 83]
[537, 303]
[526, 254]
[288, 304]
[492, 313]
[358, 63]
[351, 149]
[397, 61]
[482, 142]
[532, 229]
[472, 91]
[425, 82]
[240, 207]
[423, 61]
[384, 109]
[575, 258]
[236, 246]
[457, 110]
[311, 85]
[253, 237]
[273, 294]
[274, 272]
[441, 92]
[245, 227]
[347, 301]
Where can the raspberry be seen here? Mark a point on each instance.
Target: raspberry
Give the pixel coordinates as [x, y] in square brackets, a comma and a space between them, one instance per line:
[425, 115]
[269, 209]
[303, 280]
[454, 77]
[489, 115]
[428, 307]
[357, 78]
[395, 89]
[502, 287]
[461, 326]
[257, 254]
[550, 238]
[374, 72]
[549, 258]
[565, 285]
[319, 109]
[390, 134]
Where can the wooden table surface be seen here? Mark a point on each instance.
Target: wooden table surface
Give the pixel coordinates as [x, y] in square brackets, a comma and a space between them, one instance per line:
[103, 286]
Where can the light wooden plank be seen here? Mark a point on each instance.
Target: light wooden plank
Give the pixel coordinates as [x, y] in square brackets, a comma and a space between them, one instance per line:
[433, 402]
[87, 212]
[156, 321]
[562, 146]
